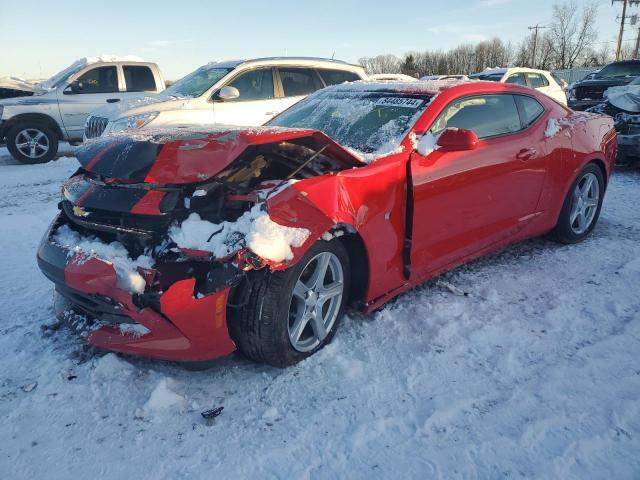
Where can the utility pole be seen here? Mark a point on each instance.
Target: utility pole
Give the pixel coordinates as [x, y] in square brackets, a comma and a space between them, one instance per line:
[536, 27]
[622, 19]
[635, 51]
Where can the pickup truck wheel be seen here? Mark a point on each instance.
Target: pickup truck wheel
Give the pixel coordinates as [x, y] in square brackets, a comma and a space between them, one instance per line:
[291, 314]
[32, 143]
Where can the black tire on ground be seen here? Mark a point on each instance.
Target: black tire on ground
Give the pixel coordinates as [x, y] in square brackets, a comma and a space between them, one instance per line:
[567, 232]
[44, 148]
[261, 326]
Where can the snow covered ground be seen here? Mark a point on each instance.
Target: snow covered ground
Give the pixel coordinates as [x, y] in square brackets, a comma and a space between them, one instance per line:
[535, 373]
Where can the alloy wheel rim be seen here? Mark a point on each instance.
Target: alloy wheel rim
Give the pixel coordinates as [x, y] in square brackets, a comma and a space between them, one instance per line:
[32, 143]
[586, 196]
[315, 301]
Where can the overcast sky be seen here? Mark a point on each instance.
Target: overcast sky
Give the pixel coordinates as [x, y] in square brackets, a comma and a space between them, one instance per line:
[39, 37]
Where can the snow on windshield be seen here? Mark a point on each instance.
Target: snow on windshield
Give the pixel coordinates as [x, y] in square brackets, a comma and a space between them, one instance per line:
[197, 82]
[370, 124]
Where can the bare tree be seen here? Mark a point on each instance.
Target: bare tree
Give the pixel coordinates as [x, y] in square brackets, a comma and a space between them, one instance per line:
[381, 64]
[572, 32]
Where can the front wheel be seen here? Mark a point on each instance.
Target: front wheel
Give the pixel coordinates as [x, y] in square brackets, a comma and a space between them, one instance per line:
[293, 313]
[32, 143]
[581, 208]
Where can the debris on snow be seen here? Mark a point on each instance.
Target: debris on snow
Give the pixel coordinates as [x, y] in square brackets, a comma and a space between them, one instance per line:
[213, 413]
[29, 387]
[452, 288]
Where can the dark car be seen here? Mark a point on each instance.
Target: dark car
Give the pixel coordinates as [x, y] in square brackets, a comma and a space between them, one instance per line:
[623, 104]
[588, 93]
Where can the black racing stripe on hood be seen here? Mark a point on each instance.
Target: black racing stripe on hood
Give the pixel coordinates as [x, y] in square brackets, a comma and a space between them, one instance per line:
[121, 158]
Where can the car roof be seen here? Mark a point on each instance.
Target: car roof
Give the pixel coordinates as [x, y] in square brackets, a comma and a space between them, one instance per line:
[311, 61]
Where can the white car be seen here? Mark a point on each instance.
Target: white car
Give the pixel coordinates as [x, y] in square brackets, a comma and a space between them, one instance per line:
[392, 77]
[238, 92]
[444, 77]
[40, 115]
[541, 80]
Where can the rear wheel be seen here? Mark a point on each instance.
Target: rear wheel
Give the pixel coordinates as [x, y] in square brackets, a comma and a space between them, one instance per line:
[293, 313]
[581, 208]
[32, 142]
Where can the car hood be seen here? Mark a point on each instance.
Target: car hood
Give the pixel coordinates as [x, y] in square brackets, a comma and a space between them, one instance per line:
[187, 155]
[604, 82]
[625, 98]
[148, 103]
[14, 83]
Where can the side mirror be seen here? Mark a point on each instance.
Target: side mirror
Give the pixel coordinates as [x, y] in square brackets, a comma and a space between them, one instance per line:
[228, 93]
[457, 139]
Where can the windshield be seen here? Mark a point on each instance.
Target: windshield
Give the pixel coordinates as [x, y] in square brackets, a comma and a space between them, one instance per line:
[196, 83]
[619, 70]
[62, 76]
[367, 122]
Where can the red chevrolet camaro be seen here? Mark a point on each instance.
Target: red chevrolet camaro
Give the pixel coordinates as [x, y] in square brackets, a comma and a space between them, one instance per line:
[188, 244]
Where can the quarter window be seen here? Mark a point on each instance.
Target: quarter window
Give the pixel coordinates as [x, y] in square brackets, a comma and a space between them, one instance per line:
[299, 81]
[517, 78]
[335, 77]
[139, 79]
[485, 115]
[254, 85]
[98, 80]
[530, 109]
[536, 80]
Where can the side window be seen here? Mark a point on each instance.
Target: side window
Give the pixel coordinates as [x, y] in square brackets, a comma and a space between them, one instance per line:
[334, 77]
[517, 78]
[254, 85]
[530, 109]
[139, 78]
[299, 81]
[485, 115]
[536, 80]
[98, 80]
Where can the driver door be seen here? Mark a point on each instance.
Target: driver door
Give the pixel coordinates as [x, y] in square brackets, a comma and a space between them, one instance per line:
[466, 201]
[93, 89]
[256, 104]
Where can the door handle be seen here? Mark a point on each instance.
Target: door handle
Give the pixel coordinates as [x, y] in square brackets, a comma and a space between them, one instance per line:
[526, 153]
[112, 100]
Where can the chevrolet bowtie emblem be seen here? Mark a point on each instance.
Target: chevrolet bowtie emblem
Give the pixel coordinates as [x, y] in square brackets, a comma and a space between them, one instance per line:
[80, 212]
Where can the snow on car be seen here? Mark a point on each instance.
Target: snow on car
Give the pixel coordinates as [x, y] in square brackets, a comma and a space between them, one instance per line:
[259, 238]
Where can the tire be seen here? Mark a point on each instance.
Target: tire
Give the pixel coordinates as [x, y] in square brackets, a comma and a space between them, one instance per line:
[570, 228]
[32, 143]
[264, 328]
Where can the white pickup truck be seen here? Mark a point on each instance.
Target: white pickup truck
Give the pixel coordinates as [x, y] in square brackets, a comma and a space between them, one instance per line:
[57, 108]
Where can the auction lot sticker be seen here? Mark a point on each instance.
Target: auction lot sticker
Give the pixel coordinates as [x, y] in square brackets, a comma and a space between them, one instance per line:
[400, 102]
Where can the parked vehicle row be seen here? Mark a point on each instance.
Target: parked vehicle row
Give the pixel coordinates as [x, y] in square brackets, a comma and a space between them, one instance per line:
[541, 80]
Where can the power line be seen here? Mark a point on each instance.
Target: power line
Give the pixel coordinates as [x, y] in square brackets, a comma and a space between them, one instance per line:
[536, 27]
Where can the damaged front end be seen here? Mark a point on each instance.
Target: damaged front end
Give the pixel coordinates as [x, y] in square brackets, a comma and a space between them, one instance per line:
[155, 231]
[627, 125]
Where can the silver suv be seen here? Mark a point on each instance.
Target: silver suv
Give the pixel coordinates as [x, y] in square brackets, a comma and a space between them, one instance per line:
[237, 92]
[57, 110]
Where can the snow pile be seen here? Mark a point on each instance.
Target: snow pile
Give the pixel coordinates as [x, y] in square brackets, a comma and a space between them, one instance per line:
[254, 229]
[553, 127]
[114, 253]
[625, 97]
[427, 144]
[163, 397]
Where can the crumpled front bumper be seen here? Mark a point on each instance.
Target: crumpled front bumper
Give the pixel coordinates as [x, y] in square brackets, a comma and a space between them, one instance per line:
[180, 326]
